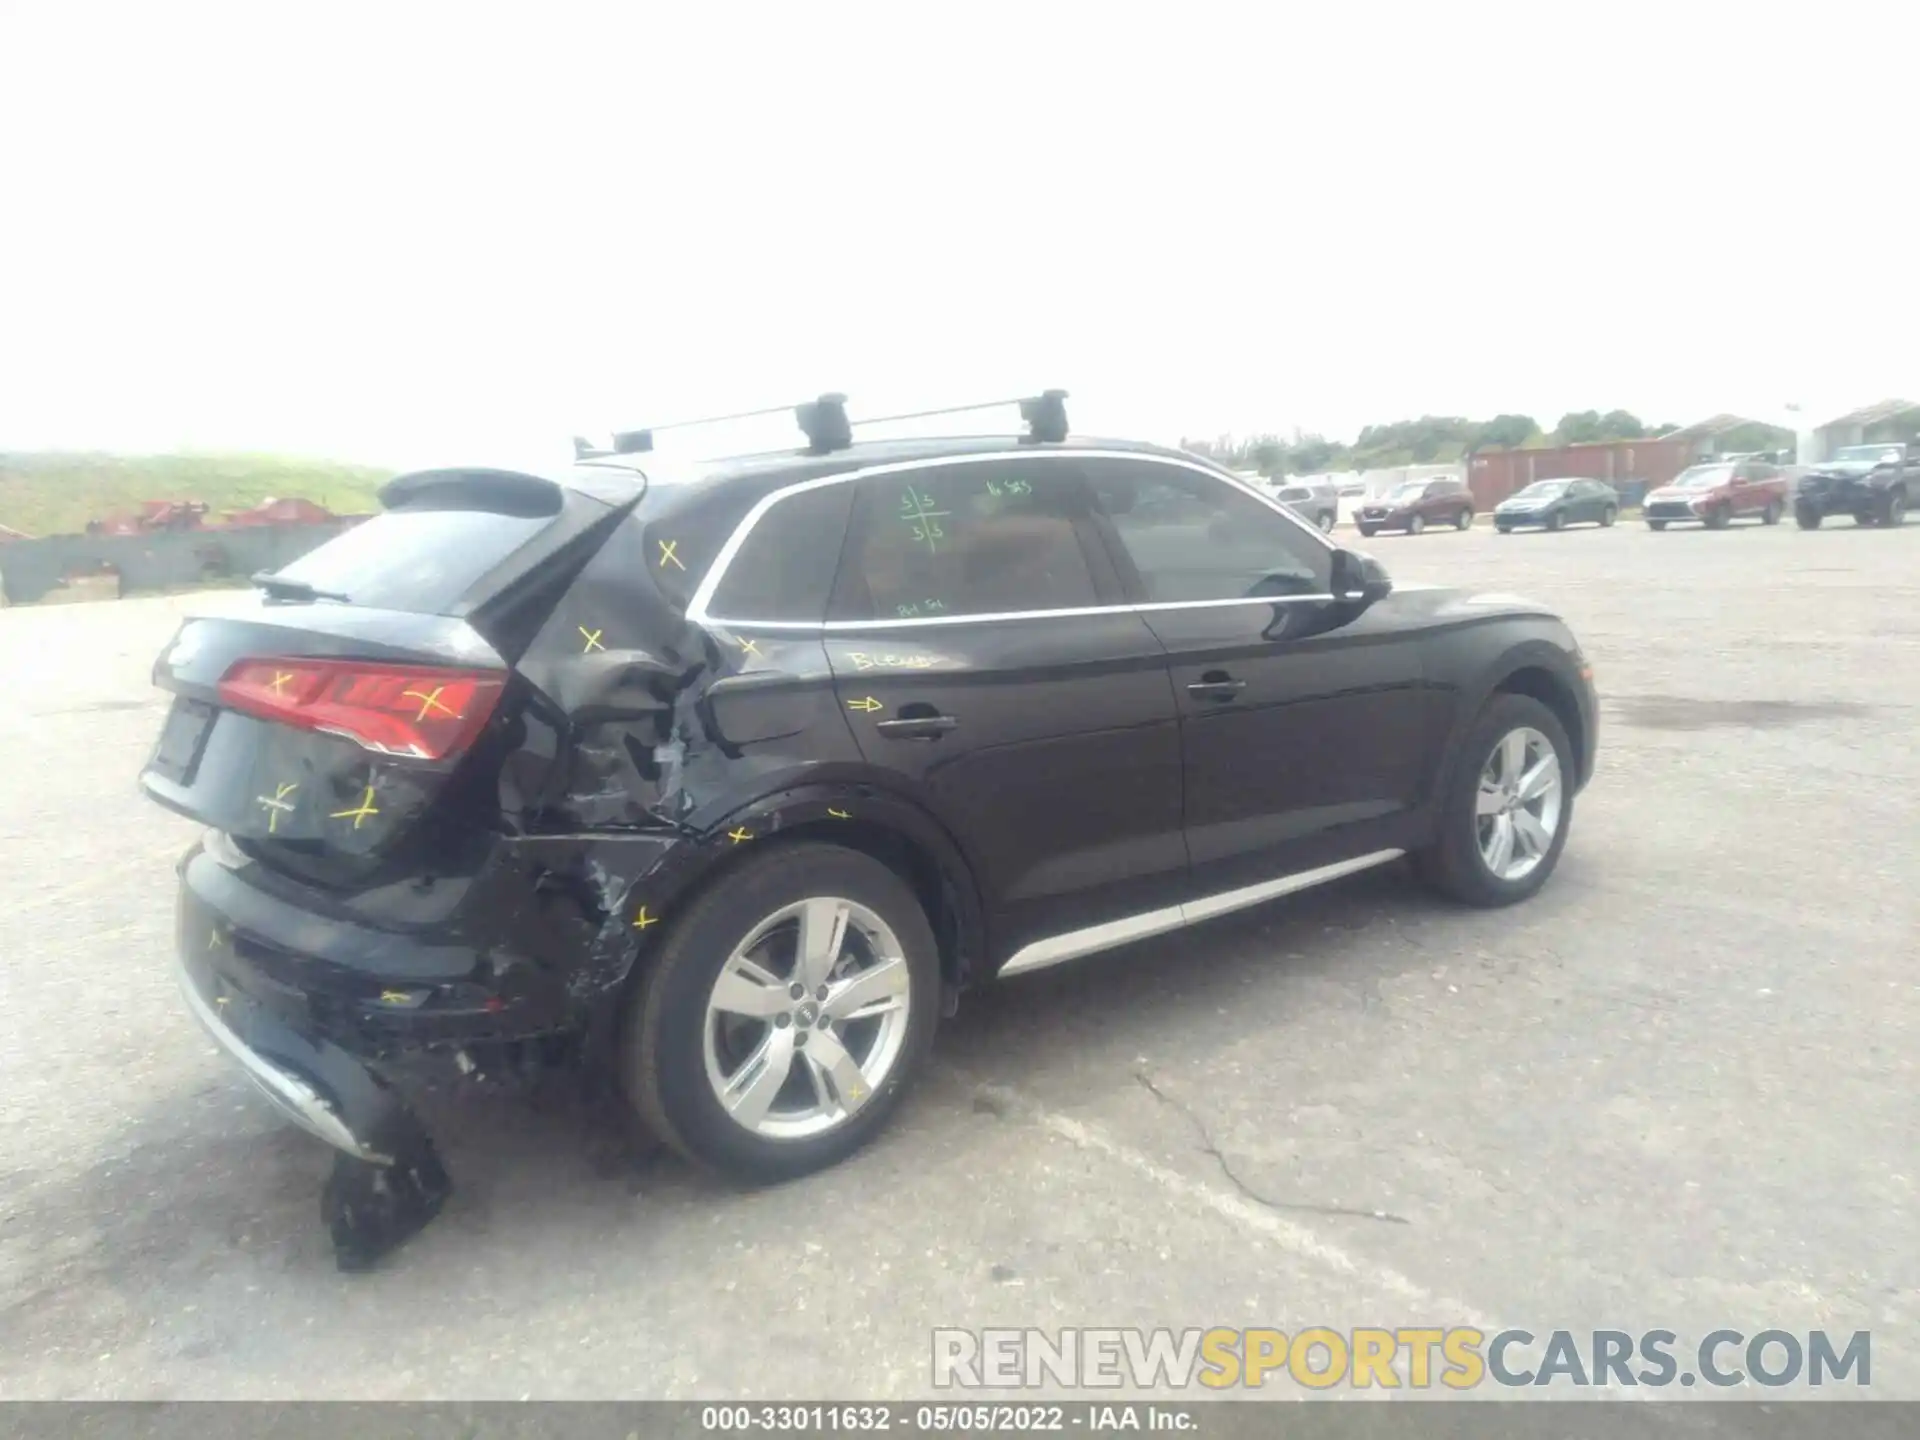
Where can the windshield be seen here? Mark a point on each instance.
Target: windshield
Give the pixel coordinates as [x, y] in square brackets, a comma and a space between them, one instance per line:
[1296, 492]
[1703, 477]
[1868, 454]
[1408, 490]
[1542, 490]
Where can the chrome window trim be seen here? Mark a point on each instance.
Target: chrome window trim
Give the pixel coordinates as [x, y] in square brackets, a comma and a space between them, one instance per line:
[697, 608]
[1113, 933]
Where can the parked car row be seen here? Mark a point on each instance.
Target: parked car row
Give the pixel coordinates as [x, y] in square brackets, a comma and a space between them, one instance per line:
[1874, 484]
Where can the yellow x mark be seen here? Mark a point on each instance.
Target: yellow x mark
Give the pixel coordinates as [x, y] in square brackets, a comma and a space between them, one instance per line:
[429, 702]
[643, 920]
[667, 548]
[750, 647]
[592, 638]
[739, 834]
[365, 808]
[281, 678]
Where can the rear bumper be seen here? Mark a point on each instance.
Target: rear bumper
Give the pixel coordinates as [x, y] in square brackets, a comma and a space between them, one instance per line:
[348, 1110]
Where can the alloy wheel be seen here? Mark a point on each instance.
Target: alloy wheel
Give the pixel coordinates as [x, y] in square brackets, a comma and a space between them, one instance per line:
[1517, 810]
[807, 1018]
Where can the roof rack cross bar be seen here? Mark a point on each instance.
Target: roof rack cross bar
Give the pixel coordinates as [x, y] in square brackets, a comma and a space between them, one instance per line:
[828, 427]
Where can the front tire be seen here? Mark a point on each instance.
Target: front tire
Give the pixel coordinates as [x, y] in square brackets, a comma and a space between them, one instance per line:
[1718, 518]
[1556, 521]
[1416, 524]
[1771, 515]
[1505, 815]
[1656, 524]
[784, 1015]
[1368, 531]
[1893, 510]
[1326, 523]
[1607, 517]
[1807, 519]
[1463, 520]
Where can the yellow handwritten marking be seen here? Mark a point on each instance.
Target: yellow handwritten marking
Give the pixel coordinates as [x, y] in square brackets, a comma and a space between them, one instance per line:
[213, 938]
[277, 804]
[862, 660]
[220, 1002]
[667, 547]
[360, 812]
[739, 833]
[643, 920]
[866, 703]
[838, 814]
[593, 640]
[280, 681]
[751, 647]
[429, 702]
[394, 997]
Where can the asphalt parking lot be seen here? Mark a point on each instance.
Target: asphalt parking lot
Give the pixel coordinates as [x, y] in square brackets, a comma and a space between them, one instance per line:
[1677, 1090]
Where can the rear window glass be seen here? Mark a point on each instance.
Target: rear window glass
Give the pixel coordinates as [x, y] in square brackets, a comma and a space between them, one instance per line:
[414, 559]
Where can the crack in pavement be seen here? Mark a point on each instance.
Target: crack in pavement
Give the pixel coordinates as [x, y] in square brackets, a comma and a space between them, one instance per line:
[1208, 1147]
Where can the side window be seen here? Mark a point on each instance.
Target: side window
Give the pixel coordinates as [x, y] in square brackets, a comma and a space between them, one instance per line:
[994, 537]
[1192, 537]
[784, 569]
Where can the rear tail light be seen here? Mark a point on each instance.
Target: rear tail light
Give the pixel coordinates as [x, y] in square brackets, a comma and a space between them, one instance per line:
[417, 711]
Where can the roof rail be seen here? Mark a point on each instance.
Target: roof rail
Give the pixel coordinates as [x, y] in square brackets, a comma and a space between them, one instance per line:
[827, 426]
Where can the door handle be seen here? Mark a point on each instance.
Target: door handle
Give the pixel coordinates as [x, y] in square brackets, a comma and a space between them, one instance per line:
[1216, 685]
[918, 727]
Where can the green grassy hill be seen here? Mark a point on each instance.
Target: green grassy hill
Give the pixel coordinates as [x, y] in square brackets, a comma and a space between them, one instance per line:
[57, 493]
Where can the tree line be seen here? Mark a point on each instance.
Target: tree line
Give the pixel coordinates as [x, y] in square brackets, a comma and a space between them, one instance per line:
[1440, 440]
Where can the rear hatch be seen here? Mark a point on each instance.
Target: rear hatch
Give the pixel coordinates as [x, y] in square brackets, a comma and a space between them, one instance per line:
[358, 712]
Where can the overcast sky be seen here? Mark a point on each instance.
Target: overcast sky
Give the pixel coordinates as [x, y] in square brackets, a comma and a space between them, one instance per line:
[405, 233]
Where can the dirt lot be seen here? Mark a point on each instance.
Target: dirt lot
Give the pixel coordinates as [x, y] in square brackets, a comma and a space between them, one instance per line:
[1678, 1089]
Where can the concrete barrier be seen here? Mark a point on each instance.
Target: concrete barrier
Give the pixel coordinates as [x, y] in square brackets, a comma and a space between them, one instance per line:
[31, 570]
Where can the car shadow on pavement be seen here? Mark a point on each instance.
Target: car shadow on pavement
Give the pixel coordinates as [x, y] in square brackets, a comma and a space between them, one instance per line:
[203, 1175]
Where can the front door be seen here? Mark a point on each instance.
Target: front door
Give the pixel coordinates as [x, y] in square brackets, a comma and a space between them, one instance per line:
[983, 656]
[1302, 744]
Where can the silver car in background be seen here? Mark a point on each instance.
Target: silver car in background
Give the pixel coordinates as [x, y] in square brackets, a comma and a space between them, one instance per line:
[1316, 504]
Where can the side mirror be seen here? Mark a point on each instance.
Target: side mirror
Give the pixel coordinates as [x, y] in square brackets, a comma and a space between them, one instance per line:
[1358, 580]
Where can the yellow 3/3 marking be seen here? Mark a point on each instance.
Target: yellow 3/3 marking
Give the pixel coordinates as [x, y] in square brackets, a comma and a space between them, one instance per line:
[643, 920]
[592, 638]
[277, 804]
[281, 679]
[360, 812]
[739, 833]
[667, 549]
[866, 703]
[430, 701]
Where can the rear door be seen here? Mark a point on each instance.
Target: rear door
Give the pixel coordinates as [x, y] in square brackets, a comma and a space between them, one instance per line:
[982, 654]
[1300, 744]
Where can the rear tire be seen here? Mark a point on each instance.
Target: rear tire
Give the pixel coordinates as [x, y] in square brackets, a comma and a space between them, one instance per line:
[1456, 863]
[1463, 520]
[680, 1049]
[1416, 524]
[1807, 519]
[1771, 515]
[1326, 523]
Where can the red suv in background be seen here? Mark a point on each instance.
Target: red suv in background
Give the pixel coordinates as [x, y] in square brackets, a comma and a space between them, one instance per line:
[1715, 493]
[1415, 504]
